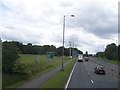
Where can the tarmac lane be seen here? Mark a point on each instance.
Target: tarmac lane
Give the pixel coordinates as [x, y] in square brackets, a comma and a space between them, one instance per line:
[85, 77]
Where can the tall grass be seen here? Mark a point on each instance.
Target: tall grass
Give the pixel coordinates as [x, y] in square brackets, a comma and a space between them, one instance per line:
[34, 65]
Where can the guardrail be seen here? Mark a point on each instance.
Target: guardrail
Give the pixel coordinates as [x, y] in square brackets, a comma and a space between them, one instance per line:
[113, 71]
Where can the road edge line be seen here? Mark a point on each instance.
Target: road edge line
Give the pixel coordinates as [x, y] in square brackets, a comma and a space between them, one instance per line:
[68, 81]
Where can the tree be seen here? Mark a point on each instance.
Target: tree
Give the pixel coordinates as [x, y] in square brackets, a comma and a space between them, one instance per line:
[100, 54]
[18, 45]
[67, 52]
[41, 50]
[119, 52]
[27, 49]
[10, 54]
[111, 51]
[59, 51]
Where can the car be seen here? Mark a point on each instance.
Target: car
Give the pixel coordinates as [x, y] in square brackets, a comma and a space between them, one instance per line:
[86, 58]
[80, 58]
[99, 70]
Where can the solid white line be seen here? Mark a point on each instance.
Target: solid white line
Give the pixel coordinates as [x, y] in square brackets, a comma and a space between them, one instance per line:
[66, 86]
[92, 81]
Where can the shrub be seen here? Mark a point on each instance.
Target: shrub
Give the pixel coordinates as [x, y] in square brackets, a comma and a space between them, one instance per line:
[10, 55]
[21, 68]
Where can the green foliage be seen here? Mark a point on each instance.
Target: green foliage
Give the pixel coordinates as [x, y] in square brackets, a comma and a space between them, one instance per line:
[100, 54]
[11, 79]
[35, 49]
[119, 53]
[29, 66]
[78, 51]
[111, 52]
[9, 56]
[21, 68]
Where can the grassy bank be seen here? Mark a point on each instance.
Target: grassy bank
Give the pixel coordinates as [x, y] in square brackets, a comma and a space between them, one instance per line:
[114, 62]
[99, 58]
[110, 61]
[59, 80]
[35, 65]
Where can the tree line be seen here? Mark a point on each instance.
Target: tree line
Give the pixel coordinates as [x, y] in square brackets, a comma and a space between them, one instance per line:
[11, 52]
[41, 50]
[111, 52]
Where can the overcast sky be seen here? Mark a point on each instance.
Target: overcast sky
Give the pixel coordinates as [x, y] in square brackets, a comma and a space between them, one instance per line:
[41, 22]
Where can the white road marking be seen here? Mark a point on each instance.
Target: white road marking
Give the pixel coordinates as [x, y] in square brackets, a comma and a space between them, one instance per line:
[92, 81]
[88, 73]
[70, 77]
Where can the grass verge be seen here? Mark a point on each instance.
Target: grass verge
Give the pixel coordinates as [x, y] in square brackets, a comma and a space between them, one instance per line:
[114, 62]
[110, 61]
[59, 80]
[99, 58]
[36, 64]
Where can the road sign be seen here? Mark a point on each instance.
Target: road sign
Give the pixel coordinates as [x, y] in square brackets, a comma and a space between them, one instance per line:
[50, 55]
[74, 52]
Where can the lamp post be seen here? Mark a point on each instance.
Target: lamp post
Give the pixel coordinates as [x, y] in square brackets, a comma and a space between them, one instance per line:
[70, 49]
[63, 38]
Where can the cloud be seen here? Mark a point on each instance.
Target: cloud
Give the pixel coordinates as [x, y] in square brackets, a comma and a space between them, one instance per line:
[41, 22]
[66, 4]
[96, 19]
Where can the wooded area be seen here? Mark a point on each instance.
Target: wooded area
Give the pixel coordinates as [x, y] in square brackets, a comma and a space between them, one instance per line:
[41, 50]
[111, 52]
[11, 52]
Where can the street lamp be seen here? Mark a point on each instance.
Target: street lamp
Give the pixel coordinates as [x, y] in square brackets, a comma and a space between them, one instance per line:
[70, 49]
[63, 38]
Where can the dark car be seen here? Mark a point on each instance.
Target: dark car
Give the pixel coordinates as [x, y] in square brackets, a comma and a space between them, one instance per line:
[99, 70]
[86, 58]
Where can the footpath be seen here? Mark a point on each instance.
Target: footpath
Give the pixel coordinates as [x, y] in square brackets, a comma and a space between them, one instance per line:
[36, 83]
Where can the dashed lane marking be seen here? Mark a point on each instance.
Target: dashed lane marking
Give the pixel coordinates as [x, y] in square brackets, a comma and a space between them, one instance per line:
[92, 81]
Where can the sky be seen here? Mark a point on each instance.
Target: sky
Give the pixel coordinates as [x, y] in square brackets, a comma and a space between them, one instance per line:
[40, 22]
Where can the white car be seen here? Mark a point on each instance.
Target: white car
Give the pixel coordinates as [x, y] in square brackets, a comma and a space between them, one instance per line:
[80, 57]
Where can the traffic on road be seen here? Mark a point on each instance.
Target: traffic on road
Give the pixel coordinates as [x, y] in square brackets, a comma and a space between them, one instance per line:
[89, 74]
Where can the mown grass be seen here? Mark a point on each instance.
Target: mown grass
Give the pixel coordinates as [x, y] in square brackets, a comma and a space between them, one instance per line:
[35, 64]
[59, 80]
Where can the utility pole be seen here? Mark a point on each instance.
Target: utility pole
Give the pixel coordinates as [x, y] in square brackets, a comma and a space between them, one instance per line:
[70, 48]
[73, 49]
[63, 42]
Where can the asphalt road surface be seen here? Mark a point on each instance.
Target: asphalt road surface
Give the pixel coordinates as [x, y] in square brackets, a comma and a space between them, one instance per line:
[105, 62]
[84, 77]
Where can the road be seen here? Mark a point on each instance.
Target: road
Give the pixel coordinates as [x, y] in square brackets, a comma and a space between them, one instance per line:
[105, 62]
[84, 77]
[112, 68]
